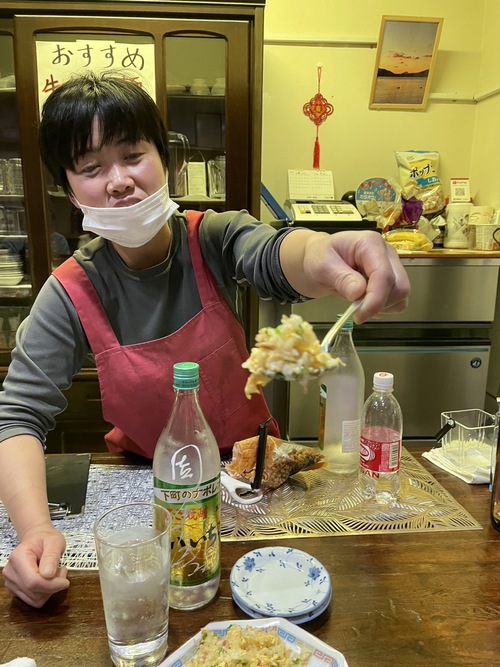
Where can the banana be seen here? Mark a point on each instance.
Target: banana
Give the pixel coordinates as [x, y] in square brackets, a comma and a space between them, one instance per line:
[408, 240]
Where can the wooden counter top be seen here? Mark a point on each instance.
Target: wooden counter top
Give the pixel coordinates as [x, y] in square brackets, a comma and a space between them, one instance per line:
[450, 257]
[448, 253]
[399, 600]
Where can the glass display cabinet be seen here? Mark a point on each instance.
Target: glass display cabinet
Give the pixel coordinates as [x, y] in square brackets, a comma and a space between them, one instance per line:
[15, 272]
[201, 62]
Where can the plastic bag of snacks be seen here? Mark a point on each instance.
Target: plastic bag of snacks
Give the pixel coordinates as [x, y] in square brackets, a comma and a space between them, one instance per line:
[379, 199]
[418, 177]
[282, 459]
[405, 240]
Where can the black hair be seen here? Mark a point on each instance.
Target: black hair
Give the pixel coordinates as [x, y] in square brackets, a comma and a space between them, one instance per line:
[123, 110]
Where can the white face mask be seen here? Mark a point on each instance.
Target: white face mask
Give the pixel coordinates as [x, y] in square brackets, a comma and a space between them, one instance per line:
[130, 226]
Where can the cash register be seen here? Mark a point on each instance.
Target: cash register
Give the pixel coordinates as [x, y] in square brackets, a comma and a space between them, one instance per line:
[311, 203]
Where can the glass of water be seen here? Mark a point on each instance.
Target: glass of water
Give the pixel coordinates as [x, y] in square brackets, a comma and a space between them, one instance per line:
[133, 552]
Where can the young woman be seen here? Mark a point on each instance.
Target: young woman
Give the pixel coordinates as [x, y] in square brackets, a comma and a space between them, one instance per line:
[153, 288]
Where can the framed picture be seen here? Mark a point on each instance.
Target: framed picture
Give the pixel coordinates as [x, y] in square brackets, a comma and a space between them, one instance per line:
[406, 55]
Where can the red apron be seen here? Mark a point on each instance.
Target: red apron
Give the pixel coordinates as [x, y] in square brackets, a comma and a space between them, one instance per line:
[136, 380]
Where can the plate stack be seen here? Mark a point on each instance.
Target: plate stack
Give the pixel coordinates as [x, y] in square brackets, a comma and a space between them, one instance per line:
[279, 581]
[11, 268]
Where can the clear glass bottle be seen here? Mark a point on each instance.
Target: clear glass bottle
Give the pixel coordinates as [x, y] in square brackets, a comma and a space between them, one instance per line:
[342, 394]
[380, 442]
[186, 469]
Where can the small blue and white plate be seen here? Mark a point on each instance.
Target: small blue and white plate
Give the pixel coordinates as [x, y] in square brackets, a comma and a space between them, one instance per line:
[296, 620]
[280, 581]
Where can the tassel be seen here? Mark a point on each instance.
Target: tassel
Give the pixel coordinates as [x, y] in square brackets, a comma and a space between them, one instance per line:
[316, 154]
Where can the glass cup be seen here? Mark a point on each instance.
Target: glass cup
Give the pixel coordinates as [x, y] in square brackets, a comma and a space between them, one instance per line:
[16, 176]
[217, 177]
[471, 439]
[133, 552]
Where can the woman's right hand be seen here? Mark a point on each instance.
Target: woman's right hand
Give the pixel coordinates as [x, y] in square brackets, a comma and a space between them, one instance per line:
[33, 572]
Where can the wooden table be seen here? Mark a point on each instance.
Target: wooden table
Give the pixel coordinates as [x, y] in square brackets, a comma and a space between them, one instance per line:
[400, 600]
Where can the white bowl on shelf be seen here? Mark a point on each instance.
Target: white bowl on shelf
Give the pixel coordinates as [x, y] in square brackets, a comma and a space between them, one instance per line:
[219, 87]
[199, 87]
[8, 81]
[8, 281]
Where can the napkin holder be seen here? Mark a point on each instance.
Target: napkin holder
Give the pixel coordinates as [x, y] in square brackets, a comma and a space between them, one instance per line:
[67, 479]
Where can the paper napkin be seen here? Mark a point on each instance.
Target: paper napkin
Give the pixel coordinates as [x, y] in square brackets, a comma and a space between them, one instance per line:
[476, 471]
[19, 662]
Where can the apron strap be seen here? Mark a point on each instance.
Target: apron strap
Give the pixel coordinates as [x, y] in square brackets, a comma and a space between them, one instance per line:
[207, 286]
[82, 292]
[90, 310]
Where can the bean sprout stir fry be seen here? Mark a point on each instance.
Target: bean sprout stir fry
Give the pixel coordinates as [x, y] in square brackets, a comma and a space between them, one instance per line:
[246, 647]
[291, 351]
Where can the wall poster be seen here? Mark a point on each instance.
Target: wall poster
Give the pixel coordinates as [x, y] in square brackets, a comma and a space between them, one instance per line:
[61, 55]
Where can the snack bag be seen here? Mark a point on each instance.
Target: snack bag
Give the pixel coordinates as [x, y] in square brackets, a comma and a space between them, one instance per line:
[389, 214]
[418, 176]
[282, 459]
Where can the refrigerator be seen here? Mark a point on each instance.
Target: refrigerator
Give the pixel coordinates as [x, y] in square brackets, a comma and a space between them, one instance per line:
[438, 349]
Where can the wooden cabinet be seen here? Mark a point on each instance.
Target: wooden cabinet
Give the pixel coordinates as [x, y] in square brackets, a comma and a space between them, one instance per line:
[202, 61]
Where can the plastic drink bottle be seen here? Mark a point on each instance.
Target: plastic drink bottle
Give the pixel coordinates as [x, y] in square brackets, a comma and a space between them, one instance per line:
[380, 442]
[186, 469]
[342, 394]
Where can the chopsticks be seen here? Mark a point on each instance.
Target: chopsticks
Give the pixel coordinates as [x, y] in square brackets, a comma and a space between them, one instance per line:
[337, 326]
[261, 453]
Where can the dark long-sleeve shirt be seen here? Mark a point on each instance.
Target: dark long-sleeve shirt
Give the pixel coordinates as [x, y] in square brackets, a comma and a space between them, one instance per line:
[51, 346]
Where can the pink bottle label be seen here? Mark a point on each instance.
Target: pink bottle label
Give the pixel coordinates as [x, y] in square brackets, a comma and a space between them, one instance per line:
[380, 455]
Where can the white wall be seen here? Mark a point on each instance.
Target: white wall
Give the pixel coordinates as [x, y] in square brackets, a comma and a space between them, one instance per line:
[359, 143]
[356, 142]
[485, 161]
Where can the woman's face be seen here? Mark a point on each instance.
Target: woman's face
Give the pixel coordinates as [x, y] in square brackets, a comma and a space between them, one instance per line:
[118, 174]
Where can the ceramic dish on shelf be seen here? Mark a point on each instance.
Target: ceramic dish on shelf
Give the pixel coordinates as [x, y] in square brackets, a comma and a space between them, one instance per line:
[280, 581]
[175, 89]
[294, 637]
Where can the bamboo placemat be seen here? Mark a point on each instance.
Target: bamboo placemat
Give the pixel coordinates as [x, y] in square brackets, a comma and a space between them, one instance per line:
[315, 503]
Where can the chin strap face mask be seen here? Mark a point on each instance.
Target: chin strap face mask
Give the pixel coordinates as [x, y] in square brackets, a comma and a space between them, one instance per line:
[130, 226]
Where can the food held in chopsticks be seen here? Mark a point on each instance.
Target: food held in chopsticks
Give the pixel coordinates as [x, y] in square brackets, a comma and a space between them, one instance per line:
[246, 647]
[291, 351]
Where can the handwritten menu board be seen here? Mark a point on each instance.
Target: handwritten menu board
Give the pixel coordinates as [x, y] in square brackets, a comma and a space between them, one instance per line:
[60, 56]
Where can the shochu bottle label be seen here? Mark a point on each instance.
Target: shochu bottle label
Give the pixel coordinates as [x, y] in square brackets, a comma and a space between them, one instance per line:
[195, 534]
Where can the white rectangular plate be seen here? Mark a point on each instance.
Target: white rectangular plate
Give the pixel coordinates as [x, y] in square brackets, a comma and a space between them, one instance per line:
[294, 636]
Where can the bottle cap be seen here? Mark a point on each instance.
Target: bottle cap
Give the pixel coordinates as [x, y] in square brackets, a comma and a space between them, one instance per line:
[186, 375]
[348, 326]
[383, 381]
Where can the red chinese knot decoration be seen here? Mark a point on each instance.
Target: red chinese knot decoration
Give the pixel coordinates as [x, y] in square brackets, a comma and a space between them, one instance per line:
[317, 109]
